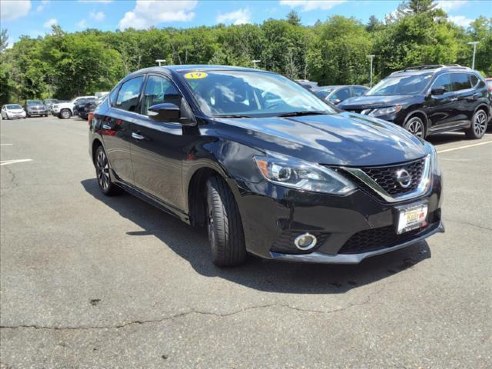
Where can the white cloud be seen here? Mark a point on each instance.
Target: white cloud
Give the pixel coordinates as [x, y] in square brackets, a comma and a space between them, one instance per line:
[13, 9]
[50, 23]
[307, 5]
[82, 24]
[97, 16]
[41, 6]
[149, 13]
[460, 20]
[240, 16]
[448, 5]
[96, 1]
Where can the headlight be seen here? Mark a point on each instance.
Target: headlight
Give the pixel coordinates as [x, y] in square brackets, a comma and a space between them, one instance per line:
[385, 111]
[290, 172]
[436, 169]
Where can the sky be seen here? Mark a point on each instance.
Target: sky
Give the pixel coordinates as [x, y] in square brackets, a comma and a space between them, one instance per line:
[35, 17]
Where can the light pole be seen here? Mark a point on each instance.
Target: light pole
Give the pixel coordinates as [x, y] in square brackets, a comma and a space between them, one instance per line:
[160, 61]
[255, 61]
[474, 43]
[371, 57]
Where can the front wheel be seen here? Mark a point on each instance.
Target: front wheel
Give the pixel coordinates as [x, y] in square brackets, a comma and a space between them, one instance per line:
[101, 163]
[65, 114]
[416, 126]
[478, 126]
[225, 230]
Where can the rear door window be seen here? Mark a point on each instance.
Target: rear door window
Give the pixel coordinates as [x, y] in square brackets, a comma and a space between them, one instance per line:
[128, 94]
[460, 81]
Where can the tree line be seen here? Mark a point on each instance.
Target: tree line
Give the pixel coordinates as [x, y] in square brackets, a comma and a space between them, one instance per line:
[334, 51]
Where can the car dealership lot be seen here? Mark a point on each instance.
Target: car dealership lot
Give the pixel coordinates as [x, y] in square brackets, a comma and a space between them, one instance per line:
[94, 282]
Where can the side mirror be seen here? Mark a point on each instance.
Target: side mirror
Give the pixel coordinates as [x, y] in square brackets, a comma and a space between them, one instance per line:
[438, 91]
[165, 112]
[336, 101]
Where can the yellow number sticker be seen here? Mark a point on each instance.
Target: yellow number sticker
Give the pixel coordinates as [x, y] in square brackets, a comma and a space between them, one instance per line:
[195, 75]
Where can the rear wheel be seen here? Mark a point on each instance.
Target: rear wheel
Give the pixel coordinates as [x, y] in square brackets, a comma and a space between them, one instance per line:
[416, 126]
[102, 172]
[225, 230]
[478, 126]
[65, 114]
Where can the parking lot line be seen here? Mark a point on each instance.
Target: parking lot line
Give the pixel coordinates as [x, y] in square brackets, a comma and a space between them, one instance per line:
[463, 147]
[6, 144]
[8, 162]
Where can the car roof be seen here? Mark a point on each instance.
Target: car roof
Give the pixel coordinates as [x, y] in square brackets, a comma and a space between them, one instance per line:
[425, 69]
[192, 68]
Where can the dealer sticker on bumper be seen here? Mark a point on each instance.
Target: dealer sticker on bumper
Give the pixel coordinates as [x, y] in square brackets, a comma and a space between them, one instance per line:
[412, 217]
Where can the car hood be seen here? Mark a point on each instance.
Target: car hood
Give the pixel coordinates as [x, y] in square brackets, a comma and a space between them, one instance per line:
[367, 102]
[15, 110]
[339, 139]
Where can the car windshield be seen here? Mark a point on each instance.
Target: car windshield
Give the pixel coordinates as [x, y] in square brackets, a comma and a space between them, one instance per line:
[34, 102]
[251, 94]
[14, 106]
[401, 85]
[322, 94]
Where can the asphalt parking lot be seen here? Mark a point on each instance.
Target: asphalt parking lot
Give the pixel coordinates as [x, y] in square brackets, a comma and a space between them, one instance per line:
[94, 282]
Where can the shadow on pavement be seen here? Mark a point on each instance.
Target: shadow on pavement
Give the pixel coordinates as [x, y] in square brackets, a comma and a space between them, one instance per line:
[265, 275]
[444, 138]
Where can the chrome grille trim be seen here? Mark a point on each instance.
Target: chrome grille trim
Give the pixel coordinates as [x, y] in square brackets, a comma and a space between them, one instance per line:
[421, 189]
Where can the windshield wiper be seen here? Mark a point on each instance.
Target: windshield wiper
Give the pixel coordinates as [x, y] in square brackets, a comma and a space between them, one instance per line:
[233, 116]
[301, 113]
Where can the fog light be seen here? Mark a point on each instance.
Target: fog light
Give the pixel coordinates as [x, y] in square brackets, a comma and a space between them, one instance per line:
[305, 241]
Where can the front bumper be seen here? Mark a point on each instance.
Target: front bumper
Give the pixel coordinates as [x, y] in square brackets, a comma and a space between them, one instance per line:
[348, 228]
[37, 112]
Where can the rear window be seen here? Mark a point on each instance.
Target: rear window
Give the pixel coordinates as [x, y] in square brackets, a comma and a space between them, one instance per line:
[460, 81]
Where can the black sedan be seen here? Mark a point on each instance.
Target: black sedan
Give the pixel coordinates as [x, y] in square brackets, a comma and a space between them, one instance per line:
[266, 166]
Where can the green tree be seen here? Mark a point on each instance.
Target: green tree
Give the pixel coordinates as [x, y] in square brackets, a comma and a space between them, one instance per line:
[4, 39]
[339, 53]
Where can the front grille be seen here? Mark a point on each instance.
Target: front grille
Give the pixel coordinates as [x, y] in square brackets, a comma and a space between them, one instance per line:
[375, 239]
[285, 243]
[386, 176]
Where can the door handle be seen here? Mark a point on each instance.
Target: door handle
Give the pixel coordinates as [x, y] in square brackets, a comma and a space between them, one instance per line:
[105, 126]
[137, 136]
[453, 99]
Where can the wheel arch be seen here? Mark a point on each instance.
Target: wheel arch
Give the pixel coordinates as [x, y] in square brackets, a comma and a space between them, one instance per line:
[484, 107]
[95, 144]
[196, 195]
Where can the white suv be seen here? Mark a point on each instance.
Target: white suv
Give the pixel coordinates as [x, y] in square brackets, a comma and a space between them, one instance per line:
[64, 110]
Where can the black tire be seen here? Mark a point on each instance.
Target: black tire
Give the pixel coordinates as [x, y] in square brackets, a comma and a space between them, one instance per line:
[65, 114]
[225, 230]
[103, 174]
[416, 126]
[478, 125]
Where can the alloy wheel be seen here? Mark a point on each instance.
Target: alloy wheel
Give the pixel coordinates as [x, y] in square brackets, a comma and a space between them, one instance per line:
[416, 127]
[480, 123]
[102, 170]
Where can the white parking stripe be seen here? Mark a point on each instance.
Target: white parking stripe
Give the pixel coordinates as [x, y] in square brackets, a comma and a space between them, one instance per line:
[463, 147]
[8, 162]
[6, 144]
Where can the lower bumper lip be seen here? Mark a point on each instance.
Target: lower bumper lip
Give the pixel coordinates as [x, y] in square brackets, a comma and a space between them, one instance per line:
[317, 257]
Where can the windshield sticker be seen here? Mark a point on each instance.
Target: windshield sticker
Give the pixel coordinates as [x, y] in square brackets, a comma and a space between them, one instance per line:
[195, 75]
